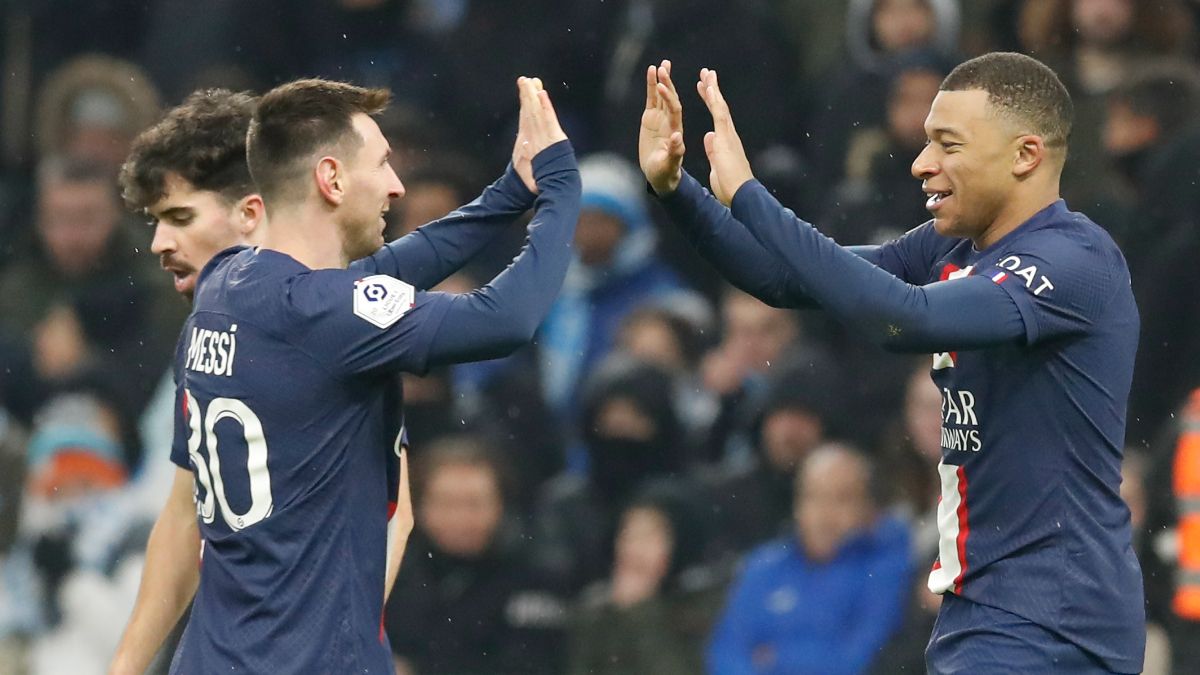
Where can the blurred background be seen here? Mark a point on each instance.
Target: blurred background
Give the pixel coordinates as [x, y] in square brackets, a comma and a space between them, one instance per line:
[674, 478]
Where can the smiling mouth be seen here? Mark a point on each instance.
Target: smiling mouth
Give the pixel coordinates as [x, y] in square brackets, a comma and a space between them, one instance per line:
[936, 198]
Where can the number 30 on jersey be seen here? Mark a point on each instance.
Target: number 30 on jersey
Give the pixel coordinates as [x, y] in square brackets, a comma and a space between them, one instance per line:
[202, 427]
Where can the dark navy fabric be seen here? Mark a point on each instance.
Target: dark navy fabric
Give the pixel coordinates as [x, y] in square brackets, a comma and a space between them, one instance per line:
[287, 402]
[974, 639]
[1034, 340]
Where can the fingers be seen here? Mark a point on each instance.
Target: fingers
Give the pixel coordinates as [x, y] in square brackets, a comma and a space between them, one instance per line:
[651, 88]
[710, 144]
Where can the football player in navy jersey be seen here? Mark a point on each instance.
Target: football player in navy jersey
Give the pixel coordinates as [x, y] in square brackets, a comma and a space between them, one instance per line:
[285, 366]
[188, 173]
[1027, 308]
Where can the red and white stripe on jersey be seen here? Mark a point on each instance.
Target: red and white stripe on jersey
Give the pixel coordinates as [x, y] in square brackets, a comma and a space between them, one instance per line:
[950, 271]
[953, 529]
[999, 276]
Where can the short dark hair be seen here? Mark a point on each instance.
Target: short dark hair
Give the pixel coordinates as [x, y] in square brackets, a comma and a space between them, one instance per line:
[1021, 88]
[295, 120]
[203, 140]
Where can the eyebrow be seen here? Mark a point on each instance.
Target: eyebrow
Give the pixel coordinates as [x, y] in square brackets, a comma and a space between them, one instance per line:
[174, 212]
[947, 131]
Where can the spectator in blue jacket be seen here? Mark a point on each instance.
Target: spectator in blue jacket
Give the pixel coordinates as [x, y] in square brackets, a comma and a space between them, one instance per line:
[827, 597]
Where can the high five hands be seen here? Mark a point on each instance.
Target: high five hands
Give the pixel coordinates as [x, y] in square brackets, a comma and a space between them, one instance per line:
[660, 141]
[538, 128]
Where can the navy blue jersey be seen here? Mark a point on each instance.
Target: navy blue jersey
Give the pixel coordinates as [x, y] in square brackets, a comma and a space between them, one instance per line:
[286, 392]
[288, 416]
[1038, 334]
[1030, 517]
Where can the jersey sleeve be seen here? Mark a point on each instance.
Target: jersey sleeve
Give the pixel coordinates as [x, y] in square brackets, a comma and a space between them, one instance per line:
[1059, 283]
[358, 324]
[911, 256]
[434, 251]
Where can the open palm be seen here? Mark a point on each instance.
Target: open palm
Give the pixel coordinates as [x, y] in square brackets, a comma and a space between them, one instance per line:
[660, 141]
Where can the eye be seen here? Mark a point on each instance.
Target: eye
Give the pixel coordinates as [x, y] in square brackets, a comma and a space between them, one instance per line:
[948, 146]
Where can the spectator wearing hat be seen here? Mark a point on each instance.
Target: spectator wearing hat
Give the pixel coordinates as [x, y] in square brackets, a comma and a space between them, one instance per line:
[615, 269]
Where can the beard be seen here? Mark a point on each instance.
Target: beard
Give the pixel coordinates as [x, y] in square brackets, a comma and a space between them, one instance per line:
[361, 237]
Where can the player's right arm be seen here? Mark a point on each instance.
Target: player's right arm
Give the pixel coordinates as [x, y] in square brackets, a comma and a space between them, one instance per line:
[708, 225]
[169, 580]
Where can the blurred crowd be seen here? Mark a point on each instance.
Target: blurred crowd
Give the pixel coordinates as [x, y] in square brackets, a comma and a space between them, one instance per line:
[674, 477]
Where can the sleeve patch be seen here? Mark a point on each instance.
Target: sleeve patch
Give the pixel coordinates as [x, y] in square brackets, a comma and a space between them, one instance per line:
[381, 300]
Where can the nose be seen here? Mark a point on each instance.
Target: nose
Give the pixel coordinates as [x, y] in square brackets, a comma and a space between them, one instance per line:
[396, 189]
[924, 166]
[163, 242]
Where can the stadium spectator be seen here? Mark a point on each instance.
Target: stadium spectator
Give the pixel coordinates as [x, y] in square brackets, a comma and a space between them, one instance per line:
[613, 271]
[1171, 545]
[672, 333]
[853, 94]
[825, 598]
[912, 452]
[90, 109]
[878, 193]
[83, 295]
[1095, 45]
[1152, 137]
[751, 499]
[70, 526]
[755, 339]
[654, 611]
[467, 599]
[631, 433]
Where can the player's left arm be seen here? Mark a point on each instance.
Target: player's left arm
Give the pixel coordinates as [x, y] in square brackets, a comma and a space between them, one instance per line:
[427, 256]
[399, 529]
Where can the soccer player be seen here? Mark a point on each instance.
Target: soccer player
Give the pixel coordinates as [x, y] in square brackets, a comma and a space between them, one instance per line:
[189, 174]
[287, 357]
[1028, 311]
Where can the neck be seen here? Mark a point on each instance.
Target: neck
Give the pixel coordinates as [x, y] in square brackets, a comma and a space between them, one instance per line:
[1016, 211]
[307, 234]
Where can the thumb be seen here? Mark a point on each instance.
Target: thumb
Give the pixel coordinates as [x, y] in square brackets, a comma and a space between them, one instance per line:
[710, 145]
[675, 145]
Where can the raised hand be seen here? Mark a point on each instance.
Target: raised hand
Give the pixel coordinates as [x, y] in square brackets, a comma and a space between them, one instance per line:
[660, 141]
[727, 158]
[537, 128]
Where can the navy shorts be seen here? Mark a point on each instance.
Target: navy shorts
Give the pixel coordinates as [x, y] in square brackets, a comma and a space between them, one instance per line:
[981, 640]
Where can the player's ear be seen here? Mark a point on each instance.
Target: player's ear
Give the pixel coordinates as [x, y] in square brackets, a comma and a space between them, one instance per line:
[331, 179]
[250, 212]
[1031, 151]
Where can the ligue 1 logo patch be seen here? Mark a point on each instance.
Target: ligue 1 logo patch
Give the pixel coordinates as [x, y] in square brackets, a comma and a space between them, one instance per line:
[381, 300]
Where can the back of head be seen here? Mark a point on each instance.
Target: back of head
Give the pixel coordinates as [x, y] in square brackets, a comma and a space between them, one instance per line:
[203, 141]
[295, 121]
[1022, 90]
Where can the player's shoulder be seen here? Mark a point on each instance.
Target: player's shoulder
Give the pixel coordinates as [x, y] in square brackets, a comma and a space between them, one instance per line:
[344, 294]
[1069, 235]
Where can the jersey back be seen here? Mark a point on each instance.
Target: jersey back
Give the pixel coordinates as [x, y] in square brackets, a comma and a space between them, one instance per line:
[287, 419]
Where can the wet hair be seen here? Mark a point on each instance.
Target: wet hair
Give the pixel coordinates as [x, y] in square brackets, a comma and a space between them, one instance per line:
[203, 140]
[1020, 88]
[294, 121]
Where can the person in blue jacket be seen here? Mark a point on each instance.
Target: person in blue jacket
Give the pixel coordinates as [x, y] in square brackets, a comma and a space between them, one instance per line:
[826, 597]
